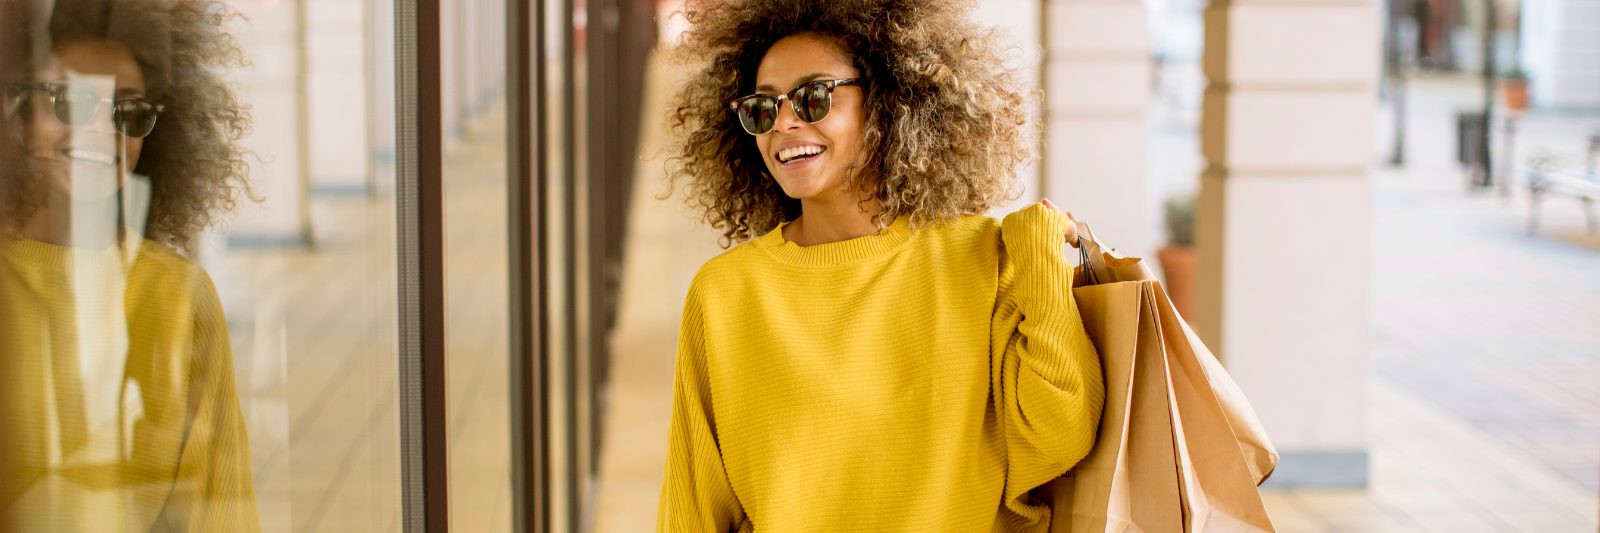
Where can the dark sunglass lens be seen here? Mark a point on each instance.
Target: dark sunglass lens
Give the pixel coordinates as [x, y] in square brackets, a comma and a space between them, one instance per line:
[812, 101]
[758, 115]
[135, 118]
[74, 105]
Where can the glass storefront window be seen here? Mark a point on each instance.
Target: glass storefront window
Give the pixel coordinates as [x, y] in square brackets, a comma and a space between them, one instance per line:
[199, 267]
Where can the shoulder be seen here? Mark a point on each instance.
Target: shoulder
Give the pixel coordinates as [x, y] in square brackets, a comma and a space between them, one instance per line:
[162, 276]
[972, 226]
[159, 261]
[734, 263]
[966, 231]
[735, 267]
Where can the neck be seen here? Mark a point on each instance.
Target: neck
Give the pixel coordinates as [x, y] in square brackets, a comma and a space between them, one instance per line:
[825, 221]
[53, 222]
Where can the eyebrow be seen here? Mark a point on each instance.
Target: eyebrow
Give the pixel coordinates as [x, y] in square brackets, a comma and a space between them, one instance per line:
[808, 77]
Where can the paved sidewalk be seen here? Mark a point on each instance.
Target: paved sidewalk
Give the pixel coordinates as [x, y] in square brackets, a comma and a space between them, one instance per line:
[1492, 324]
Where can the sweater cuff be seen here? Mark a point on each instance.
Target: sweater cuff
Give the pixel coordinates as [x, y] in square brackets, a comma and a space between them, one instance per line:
[1035, 239]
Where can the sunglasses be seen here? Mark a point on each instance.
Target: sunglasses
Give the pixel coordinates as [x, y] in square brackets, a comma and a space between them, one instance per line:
[811, 101]
[74, 105]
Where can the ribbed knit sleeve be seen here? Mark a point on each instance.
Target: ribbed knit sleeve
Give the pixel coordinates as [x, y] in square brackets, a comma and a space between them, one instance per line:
[695, 494]
[1048, 387]
[213, 490]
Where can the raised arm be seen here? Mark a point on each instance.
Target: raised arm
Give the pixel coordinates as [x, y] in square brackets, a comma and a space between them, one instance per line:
[1046, 373]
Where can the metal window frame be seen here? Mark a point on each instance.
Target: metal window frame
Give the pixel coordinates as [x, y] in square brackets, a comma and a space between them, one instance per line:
[419, 218]
[421, 254]
[527, 184]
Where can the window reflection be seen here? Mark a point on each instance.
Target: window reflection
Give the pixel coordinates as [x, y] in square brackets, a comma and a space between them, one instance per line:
[119, 383]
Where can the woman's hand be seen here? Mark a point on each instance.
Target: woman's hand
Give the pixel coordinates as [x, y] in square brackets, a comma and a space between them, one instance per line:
[1072, 229]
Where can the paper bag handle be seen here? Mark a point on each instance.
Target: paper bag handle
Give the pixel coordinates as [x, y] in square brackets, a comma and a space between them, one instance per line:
[1090, 255]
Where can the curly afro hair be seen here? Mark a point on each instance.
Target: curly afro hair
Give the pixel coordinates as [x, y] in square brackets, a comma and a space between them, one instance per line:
[946, 125]
[194, 159]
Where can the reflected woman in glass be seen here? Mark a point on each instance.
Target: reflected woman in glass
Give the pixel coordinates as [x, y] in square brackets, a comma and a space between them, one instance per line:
[122, 414]
[875, 354]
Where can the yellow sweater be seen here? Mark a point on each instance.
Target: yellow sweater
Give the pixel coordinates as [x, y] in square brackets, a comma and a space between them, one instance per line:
[906, 381]
[120, 412]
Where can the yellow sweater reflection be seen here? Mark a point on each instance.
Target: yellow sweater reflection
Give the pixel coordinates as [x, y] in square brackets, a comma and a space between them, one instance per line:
[118, 386]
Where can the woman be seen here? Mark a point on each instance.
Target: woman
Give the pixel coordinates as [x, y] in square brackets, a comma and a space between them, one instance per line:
[876, 355]
[123, 415]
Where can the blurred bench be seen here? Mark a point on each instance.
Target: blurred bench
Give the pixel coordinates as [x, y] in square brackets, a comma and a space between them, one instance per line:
[1549, 175]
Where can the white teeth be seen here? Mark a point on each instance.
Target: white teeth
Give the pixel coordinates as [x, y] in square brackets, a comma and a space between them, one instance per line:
[91, 156]
[788, 154]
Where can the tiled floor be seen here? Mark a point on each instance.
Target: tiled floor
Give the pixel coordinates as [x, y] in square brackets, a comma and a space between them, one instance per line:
[313, 341]
[1495, 326]
[1483, 402]
[314, 333]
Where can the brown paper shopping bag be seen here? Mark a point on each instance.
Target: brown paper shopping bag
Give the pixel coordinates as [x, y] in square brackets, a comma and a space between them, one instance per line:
[1179, 448]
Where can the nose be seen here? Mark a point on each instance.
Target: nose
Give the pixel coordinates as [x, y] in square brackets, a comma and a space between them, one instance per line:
[101, 119]
[787, 119]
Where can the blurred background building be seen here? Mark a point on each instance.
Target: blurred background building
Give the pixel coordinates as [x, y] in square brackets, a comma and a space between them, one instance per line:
[457, 300]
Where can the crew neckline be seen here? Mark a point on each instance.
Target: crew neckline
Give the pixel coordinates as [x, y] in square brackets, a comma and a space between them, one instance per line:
[860, 248]
[39, 257]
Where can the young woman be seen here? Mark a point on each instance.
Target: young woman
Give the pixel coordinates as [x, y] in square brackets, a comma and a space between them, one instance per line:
[122, 414]
[876, 354]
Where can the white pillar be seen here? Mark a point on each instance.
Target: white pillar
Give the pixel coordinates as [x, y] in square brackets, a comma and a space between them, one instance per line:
[1097, 82]
[1283, 221]
[270, 88]
[1019, 26]
[381, 93]
[1561, 52]
[338, 92]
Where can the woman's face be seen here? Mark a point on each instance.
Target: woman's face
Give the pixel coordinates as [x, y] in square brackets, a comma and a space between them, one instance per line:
[85, 161]
[791, 61]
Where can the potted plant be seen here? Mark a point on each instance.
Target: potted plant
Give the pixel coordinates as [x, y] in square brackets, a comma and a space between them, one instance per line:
[1178, 256]
[1514, 88]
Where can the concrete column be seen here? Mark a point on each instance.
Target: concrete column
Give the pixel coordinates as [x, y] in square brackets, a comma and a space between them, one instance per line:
[338, 92]
[1561, 52]
[1019, 26]
[1097, 74]
[453, 70]
[1283, 221]
[271, 36]
[381, 93]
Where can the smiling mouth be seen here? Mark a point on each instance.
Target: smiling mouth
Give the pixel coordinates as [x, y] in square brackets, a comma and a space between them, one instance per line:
[80, 156]
[798, 153]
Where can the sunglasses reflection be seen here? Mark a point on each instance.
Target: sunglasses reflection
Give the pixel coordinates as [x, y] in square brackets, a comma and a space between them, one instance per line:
[117, 405]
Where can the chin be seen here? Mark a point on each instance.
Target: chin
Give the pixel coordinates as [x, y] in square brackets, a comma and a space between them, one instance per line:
[92, 184]
[802, 193]
[805, 188]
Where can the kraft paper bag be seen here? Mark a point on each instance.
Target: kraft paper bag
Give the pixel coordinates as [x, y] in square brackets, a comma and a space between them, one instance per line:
[1179, 448]
[1102, 264]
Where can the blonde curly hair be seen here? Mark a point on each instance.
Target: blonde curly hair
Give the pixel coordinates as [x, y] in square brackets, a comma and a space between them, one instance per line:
[946, 121]
[194, 158]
